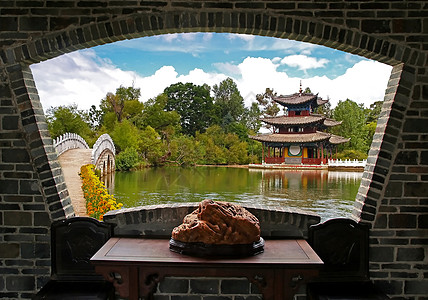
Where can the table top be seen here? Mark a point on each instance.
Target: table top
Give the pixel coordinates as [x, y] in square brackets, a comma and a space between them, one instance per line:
[136, 251]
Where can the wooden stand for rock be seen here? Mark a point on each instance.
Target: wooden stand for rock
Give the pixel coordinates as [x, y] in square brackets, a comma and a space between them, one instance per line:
[217, 251]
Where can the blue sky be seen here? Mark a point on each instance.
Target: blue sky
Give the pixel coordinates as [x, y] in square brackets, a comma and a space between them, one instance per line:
[254, 62]
[211, 51]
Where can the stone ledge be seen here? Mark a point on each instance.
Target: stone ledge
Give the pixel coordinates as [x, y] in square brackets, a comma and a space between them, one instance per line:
[159, 220]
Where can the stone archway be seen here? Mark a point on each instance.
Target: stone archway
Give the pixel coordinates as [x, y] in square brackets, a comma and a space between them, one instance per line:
[274, 25]
[398, 157]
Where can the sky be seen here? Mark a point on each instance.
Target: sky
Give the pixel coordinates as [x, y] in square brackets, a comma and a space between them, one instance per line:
[255, 63]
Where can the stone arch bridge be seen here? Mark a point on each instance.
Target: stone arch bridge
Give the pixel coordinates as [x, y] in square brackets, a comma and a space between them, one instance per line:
[392, 199]
[102, 154]
[73, 152]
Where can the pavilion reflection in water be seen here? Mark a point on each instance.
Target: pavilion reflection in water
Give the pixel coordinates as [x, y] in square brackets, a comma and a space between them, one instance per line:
[304, 179]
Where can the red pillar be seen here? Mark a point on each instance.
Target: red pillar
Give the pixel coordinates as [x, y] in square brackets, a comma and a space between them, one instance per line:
[263, 152]
[322, 154]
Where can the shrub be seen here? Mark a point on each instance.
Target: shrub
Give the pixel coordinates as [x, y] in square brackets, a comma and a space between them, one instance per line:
[352, 154]
[126, 160]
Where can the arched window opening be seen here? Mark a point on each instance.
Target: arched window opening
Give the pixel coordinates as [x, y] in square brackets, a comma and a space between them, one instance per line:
[151, 71]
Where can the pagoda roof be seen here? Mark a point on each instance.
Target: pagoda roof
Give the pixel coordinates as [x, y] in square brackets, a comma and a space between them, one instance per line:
[330, 122]
[300, 138]
[336, 140]
[294, 120]
[299, 98]
[292, 137]
[300, 120]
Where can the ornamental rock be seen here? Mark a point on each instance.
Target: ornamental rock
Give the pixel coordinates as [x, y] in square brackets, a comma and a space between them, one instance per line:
[218, 223]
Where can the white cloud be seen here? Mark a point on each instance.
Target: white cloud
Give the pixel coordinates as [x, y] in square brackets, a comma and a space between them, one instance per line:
[228, 68]
[244, 37]
[79, 77]
[365, 82]
[84, 79]
[303, 62]
[291, 46]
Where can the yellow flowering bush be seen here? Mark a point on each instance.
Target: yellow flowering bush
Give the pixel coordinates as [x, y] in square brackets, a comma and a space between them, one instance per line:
[98, 200]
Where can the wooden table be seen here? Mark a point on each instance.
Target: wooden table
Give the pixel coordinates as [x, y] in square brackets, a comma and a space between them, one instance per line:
[135, 266]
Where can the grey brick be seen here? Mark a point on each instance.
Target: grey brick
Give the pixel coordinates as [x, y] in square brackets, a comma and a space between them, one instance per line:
[174, 285]
[20, 283]
[9, 250]
[410, 254]
[204, 286]
[235, 286]
[382, 254]
[416, 287]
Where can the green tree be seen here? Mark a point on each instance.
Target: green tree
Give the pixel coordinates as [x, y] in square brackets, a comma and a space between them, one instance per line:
[94, 117]
[236, 152]
[125, 135]
[184, 150]
[269, 108]
[124, 103]
[353, 125]
[155, 115]
[228, 102]
[374, 111]
[252, 117]
[194, 105]
[212, 145]
[63, 119]
[151, 146]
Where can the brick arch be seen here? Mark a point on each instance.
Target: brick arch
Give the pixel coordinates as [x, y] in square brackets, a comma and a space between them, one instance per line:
[391, 153]
[311, 30]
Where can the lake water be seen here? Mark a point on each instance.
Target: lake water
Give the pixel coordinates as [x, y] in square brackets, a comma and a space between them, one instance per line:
[328, 193]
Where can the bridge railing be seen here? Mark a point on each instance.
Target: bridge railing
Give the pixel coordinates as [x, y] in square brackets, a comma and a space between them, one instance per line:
[104, 142]
[347, 163]
[69, 141]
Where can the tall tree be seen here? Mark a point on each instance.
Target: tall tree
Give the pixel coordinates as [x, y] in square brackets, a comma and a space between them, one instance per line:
[124, 103]
[229, 102]
[374, 111]
[252, 117]
[155, 115]
[63, 119]
[269, 108]
[194, 105]
[353, 124]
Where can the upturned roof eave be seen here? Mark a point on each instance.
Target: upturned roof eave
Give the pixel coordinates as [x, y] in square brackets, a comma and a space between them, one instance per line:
[287, 120]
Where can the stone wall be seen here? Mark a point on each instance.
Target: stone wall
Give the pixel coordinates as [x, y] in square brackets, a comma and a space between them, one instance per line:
[392, 197]
[159, 220]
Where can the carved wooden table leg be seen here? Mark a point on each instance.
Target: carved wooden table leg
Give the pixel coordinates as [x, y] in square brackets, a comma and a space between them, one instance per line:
[124, 279]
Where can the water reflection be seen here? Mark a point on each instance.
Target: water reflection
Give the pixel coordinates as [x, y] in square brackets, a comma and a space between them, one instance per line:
[330, 194]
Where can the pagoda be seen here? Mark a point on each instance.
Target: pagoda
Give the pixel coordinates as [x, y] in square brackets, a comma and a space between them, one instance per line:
[299, 137]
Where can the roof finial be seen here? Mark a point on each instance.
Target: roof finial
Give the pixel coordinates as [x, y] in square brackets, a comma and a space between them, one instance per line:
[300, 90]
